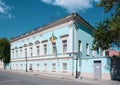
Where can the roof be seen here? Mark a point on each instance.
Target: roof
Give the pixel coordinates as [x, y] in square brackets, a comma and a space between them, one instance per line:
[74, 16]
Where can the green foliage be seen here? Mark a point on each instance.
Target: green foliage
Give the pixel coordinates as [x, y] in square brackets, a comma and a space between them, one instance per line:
[102, 36]
[108, 31]
[5, 50]
[109, 4]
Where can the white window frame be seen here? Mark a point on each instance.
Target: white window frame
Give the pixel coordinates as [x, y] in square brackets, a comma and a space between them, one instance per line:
[38, 50]
[54, 48]
[45, 66]
[45, 49]
[13, 53]
[101, 52]
[62, 39]
[53, 67]
[16, 66]
[13, 67]
[38, 67]
[21, 52]
[80, 45]
[25, 52]
[31, 51]
[64, 69]
[21, 66]
[93, 51]
[16, 53]
[87, 49]
[63, 45]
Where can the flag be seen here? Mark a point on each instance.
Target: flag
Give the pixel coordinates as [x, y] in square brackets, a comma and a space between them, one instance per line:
[53, 38]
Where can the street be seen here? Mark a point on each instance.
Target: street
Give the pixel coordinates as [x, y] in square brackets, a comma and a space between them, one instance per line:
[8, 78]
[17, 78]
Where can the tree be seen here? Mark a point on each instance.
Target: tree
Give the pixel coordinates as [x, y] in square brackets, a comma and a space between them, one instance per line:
[109, 4]
[108, 31]
[5, 51]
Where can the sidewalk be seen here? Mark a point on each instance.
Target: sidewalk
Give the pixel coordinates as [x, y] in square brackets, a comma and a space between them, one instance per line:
[64, 76]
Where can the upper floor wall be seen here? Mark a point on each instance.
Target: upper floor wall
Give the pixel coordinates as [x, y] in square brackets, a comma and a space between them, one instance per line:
[71, 33]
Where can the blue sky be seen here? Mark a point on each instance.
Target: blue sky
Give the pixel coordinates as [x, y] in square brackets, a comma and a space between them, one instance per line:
[20, 16]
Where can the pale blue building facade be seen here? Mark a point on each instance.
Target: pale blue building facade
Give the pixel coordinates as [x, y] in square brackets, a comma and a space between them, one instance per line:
[70, 53]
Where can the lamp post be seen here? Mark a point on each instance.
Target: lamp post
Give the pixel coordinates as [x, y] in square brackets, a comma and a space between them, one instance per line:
[76, 76]
[26, 64]
[78, 56]
[26, 59]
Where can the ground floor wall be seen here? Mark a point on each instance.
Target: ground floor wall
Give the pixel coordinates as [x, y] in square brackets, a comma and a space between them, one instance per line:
[47, 65]
[97, 67]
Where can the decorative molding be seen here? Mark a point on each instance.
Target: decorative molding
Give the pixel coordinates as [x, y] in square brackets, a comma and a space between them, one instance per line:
[20, 47]
[66, 35]
[37, 42]
[12, 49]
[44, 41]
[30, 44]
[16, 47]
[38, 58]
[25, 45]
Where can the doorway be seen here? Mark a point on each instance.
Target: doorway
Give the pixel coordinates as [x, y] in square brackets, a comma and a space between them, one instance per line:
[97, 70]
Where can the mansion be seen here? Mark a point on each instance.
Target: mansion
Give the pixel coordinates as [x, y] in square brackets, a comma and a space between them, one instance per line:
[63, 46]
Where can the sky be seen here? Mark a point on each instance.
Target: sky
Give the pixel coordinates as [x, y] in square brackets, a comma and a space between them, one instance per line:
[20, 16]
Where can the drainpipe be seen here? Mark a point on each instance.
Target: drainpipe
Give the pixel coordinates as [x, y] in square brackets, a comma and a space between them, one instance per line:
[73, 49]
[76, 29]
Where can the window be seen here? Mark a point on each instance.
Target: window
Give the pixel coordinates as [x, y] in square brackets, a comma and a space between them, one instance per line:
[98, 51]
[64, 67]
[80, 46]
[45, 49]
[64, 45]
[87, 49]
[54, 47]
[38, 67]
[25, 52]
[16, 53]
[45, 66]
[13, 53]
[38, 50]
[20, 52]
[16, 66]
[93, 51]
[53, 67]
[101, 52]
[21, 66]
[30, 67]
[31, 51]
[13, 66]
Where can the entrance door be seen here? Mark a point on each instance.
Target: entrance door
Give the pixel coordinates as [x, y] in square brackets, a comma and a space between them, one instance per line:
[97, 69]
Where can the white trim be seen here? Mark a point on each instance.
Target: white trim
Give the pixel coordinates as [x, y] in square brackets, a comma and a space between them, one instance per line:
[54, 67]
[62, 39]
[66, 67]
[70, 36]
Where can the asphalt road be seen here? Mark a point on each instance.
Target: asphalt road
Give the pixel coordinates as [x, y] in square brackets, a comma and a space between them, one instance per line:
[10, 78]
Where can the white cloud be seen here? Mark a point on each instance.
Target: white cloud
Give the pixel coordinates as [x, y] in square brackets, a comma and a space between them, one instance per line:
[72, 5]
[4, 9]
[47, 1]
